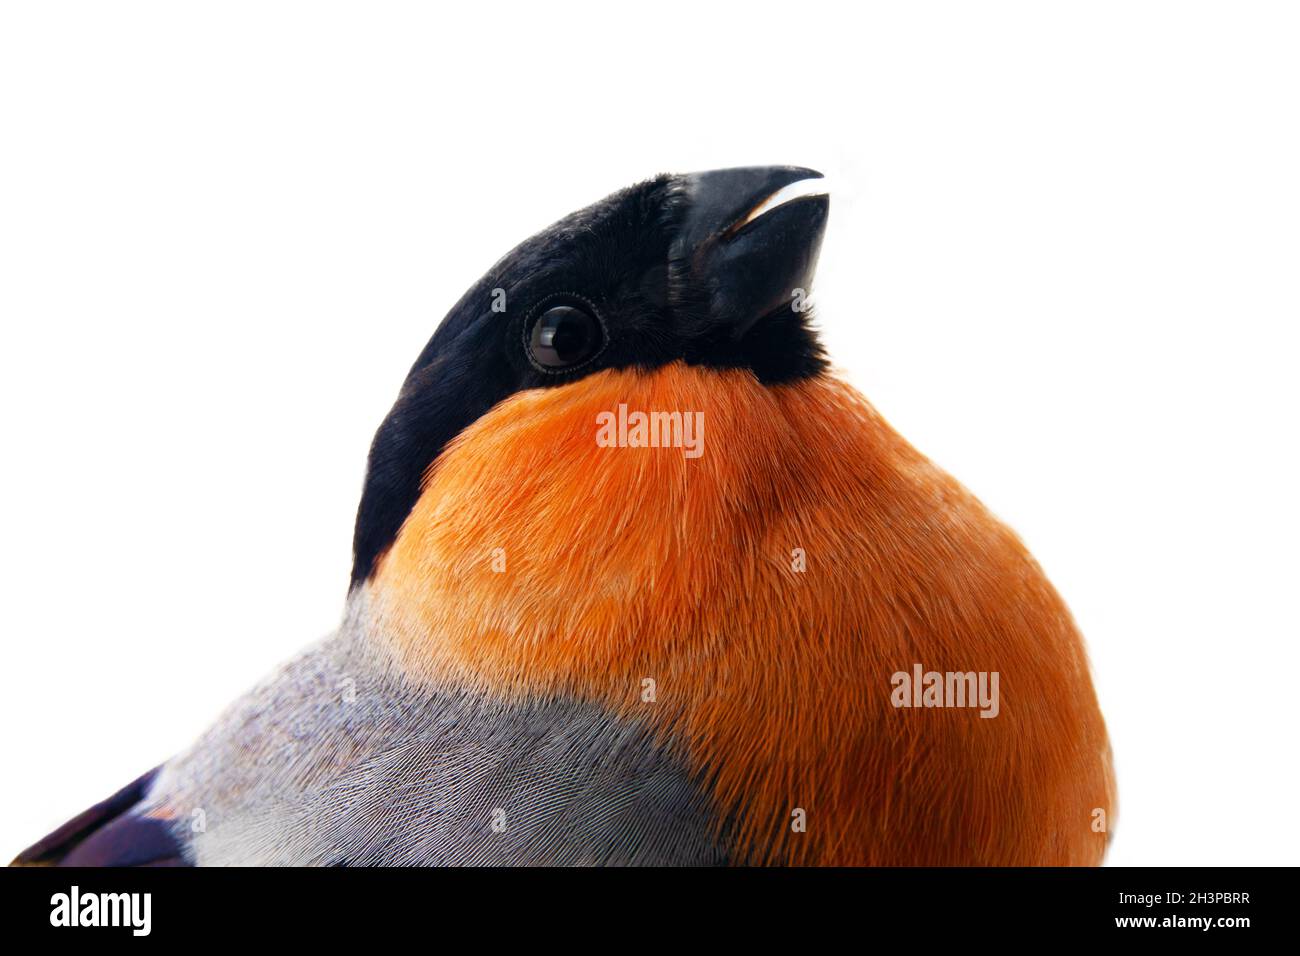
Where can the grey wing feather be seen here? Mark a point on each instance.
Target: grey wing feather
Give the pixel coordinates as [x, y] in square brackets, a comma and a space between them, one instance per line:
[338, 760]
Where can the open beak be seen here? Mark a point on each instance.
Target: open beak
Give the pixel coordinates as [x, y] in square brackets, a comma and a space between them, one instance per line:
[750, 239]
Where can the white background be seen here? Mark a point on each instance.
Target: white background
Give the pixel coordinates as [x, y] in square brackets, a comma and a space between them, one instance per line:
[1062, 260]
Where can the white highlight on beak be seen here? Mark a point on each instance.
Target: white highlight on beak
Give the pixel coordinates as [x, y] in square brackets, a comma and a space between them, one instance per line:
[795, 190]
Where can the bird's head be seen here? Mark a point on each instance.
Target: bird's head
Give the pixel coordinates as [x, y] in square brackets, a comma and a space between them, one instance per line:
[709, 270]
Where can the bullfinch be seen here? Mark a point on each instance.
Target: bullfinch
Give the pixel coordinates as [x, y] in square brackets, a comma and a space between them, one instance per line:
[637, 580]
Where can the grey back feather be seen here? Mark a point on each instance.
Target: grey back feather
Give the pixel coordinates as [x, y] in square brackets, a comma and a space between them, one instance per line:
[339, 760]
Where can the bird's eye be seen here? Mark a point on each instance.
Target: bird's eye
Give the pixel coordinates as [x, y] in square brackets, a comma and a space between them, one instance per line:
[564, 336]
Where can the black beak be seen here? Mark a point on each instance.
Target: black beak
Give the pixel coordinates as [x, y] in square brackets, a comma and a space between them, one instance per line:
[745, 248]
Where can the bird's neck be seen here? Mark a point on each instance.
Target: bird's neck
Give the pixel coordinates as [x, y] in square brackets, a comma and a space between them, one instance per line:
[700, 588]
[575, 535]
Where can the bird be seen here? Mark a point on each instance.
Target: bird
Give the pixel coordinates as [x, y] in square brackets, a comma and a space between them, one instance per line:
[639, 579]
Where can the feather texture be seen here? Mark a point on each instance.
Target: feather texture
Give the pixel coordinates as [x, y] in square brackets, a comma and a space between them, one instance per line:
[623, 564]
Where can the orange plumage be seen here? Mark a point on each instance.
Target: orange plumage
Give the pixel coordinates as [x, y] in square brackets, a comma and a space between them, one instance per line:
[622, 564]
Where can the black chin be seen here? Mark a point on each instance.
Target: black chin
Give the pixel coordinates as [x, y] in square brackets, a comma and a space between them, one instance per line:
[779, 347]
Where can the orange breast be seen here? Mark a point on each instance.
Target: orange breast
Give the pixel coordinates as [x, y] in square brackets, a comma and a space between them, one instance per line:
[753, 604]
